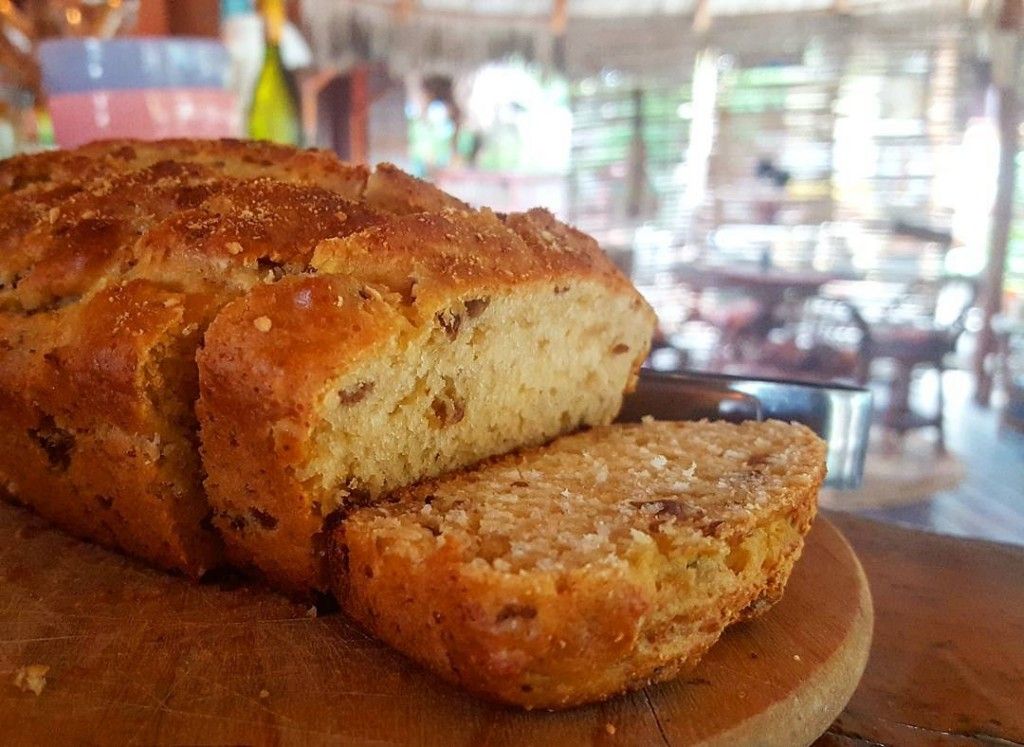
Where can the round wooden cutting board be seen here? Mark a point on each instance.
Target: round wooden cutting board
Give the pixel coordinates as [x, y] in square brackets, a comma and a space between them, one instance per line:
[136, 656]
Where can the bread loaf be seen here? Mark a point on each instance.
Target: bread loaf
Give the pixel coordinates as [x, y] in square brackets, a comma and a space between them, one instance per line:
[603, 562]
[210, 349]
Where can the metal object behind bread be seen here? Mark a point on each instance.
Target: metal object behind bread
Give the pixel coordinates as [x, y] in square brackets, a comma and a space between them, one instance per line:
[839, 414]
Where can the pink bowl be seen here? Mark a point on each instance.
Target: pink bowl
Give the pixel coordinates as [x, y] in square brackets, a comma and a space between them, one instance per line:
[147, 114]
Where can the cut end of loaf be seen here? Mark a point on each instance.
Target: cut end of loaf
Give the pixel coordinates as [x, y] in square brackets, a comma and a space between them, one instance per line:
[465, 335]
[417, 392]
[602, 562]
[483, 375]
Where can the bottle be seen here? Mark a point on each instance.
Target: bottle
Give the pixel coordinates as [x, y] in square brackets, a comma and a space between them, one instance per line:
[274, 112]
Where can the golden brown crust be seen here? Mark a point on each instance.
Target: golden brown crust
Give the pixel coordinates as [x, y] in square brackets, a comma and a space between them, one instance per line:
[89, 446]
[390, 189]
[246, 233]
[259, 386]
[84, 232]
[108, 278]
[428, 257]
[603, 562]
[116, 256]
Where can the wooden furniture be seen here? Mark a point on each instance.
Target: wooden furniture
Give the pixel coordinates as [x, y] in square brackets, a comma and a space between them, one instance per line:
[768, 286]
[745, 326]
[909, 349]
[135, 655]
[911, 346]
[182, 18]
[820, 339]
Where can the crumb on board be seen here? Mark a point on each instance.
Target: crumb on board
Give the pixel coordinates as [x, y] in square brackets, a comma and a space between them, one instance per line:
[311, 612]
[796, 657]
[262, 323]
[264, 694]
[609, 727]
[31, 678]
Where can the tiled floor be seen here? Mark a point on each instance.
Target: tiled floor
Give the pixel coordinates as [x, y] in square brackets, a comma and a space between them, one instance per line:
[989, 503]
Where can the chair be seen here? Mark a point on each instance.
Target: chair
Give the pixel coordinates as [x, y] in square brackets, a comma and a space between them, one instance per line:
[919, 331]
[819, 339]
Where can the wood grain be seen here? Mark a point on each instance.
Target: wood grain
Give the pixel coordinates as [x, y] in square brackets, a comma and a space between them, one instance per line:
[139, 657]
[947, 663]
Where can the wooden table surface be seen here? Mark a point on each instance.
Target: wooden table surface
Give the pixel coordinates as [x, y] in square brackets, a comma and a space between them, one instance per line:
[136, 656]
[947, 660]
[772, 280]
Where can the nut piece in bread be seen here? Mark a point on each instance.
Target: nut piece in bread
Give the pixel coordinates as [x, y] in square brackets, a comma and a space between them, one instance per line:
[603, 562]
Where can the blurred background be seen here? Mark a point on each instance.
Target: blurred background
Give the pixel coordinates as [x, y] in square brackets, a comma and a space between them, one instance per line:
[824, 190]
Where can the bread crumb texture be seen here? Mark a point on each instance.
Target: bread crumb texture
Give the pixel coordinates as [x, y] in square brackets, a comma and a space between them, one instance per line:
[602, 562]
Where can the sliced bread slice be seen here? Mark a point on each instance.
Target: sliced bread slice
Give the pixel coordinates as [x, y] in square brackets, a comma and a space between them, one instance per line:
[602, 562]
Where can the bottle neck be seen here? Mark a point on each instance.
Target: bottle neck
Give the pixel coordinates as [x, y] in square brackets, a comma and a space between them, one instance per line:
[272, 51]
[274, 16]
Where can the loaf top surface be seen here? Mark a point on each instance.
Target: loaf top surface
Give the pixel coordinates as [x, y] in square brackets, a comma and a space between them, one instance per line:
[88, 235]
[106, 159]
[118, 247]
[589, 500]
[224, 216]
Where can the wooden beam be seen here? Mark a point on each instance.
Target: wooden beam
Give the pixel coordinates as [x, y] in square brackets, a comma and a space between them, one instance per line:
[405, 9]
[152, 18]
[359, 114]
[702, 17]
[1011, 15]
[194, 18]
[559, 16]
[1008, 24]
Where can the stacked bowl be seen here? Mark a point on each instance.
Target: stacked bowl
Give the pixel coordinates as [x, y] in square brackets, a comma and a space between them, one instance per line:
[142, 88]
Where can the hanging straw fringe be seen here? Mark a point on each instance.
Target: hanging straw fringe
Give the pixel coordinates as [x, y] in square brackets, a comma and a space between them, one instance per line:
[645, 39]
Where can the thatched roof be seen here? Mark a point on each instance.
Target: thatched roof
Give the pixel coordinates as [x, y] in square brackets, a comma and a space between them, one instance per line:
[647, 38]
